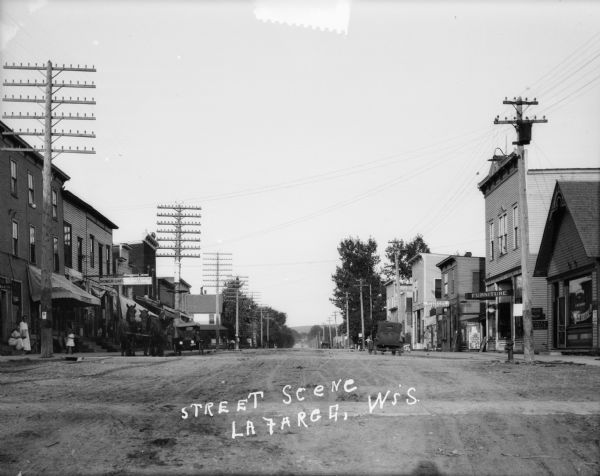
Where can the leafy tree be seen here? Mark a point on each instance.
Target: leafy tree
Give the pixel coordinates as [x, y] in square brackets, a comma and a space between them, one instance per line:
[406, 251]
[359, 260]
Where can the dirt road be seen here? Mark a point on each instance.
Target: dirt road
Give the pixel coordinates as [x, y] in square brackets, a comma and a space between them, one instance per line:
[299, 412]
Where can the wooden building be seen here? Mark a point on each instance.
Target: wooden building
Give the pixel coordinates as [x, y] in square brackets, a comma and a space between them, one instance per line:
[503, 255]
[461, 324]
[569, 259]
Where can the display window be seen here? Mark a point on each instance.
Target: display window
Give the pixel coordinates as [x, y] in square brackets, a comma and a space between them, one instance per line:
[580, 301]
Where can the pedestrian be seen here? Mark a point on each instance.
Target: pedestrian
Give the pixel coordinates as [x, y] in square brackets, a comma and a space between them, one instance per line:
[24, 331]
[70, 341]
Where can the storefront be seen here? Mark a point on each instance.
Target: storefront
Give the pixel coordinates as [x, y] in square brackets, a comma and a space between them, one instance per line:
[569, 259]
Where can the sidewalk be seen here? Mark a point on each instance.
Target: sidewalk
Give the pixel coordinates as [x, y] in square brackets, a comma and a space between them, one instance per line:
[520, 358]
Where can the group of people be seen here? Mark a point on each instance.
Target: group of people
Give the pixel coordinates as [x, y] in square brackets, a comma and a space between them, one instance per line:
[20, 341]
[19, 338]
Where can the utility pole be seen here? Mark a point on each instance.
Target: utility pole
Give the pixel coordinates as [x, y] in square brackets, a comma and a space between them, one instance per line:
[396, 282]
[220, 265]
[178, 233]
[50, 135]
[347, 323]
[237, 283]
[523, 128]
[362, 313]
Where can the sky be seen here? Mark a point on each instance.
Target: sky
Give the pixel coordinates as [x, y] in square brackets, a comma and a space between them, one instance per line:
[297, 124]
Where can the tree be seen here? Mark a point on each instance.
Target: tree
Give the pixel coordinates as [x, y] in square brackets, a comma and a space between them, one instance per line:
[359, 260]
[406, 251]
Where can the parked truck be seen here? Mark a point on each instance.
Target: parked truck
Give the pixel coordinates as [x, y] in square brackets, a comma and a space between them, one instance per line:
[389, 337]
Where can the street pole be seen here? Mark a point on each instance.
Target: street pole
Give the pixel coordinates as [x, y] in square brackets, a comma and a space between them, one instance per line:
[262, 344]
[523, 128]
[347, 323]
[50, 136]
[362, 316]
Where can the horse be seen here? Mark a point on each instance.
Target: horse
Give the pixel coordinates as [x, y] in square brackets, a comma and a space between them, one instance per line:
[157, 335]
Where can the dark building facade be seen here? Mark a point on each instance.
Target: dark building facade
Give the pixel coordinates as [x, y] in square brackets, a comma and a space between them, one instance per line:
[461, 324]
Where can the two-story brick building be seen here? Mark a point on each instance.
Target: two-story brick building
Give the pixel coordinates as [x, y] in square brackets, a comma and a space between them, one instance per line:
[569, 259]
[426, 296]
[21, 240]
[503, 255]
[461, 324]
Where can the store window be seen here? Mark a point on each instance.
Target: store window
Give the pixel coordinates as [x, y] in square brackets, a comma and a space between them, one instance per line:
[580, 301]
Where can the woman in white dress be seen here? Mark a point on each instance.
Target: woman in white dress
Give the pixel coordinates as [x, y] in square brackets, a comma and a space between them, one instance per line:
[24, 329]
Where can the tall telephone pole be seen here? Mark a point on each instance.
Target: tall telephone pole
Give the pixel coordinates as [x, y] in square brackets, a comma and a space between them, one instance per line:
[178, 232]
[362, 313]
[523, 128]
[50, 120]
[219, 265]
[347, 323]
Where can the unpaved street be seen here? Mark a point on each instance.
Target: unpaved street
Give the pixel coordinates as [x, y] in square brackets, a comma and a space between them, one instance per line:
[298, 412]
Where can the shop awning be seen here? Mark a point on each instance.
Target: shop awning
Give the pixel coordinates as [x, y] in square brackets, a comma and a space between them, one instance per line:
[202, 327]
[124, 301]
[62, 288]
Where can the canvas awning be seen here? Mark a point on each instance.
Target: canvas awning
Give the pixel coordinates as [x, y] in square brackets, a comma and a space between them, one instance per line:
[62, 288]
[124, 302]
[201, 327]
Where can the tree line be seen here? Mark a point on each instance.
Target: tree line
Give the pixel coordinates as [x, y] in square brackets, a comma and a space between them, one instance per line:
[360, 267]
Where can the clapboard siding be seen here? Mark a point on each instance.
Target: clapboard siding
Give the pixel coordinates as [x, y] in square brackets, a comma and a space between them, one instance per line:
[83, 225]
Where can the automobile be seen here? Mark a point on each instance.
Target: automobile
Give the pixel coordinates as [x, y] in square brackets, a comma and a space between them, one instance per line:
[186, 340]
[389, 337]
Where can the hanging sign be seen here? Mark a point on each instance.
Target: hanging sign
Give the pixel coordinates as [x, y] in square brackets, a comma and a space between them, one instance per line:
[489, 294]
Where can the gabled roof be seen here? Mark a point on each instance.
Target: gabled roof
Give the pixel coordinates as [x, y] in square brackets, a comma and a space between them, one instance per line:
[78, 202]
[582, 201]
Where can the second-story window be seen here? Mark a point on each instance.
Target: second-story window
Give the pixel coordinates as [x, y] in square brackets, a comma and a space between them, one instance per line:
[54, 204]
[55, 252]
[516, 236]
[13, 177]
[107, 259]
[79, 254]
[438, 288]
[68, 244]
[491, 240]
[32, 244]
[502, 234]
[30, 189]
[445, 284]
[92, 251]
[100, 261]
[15, 238]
